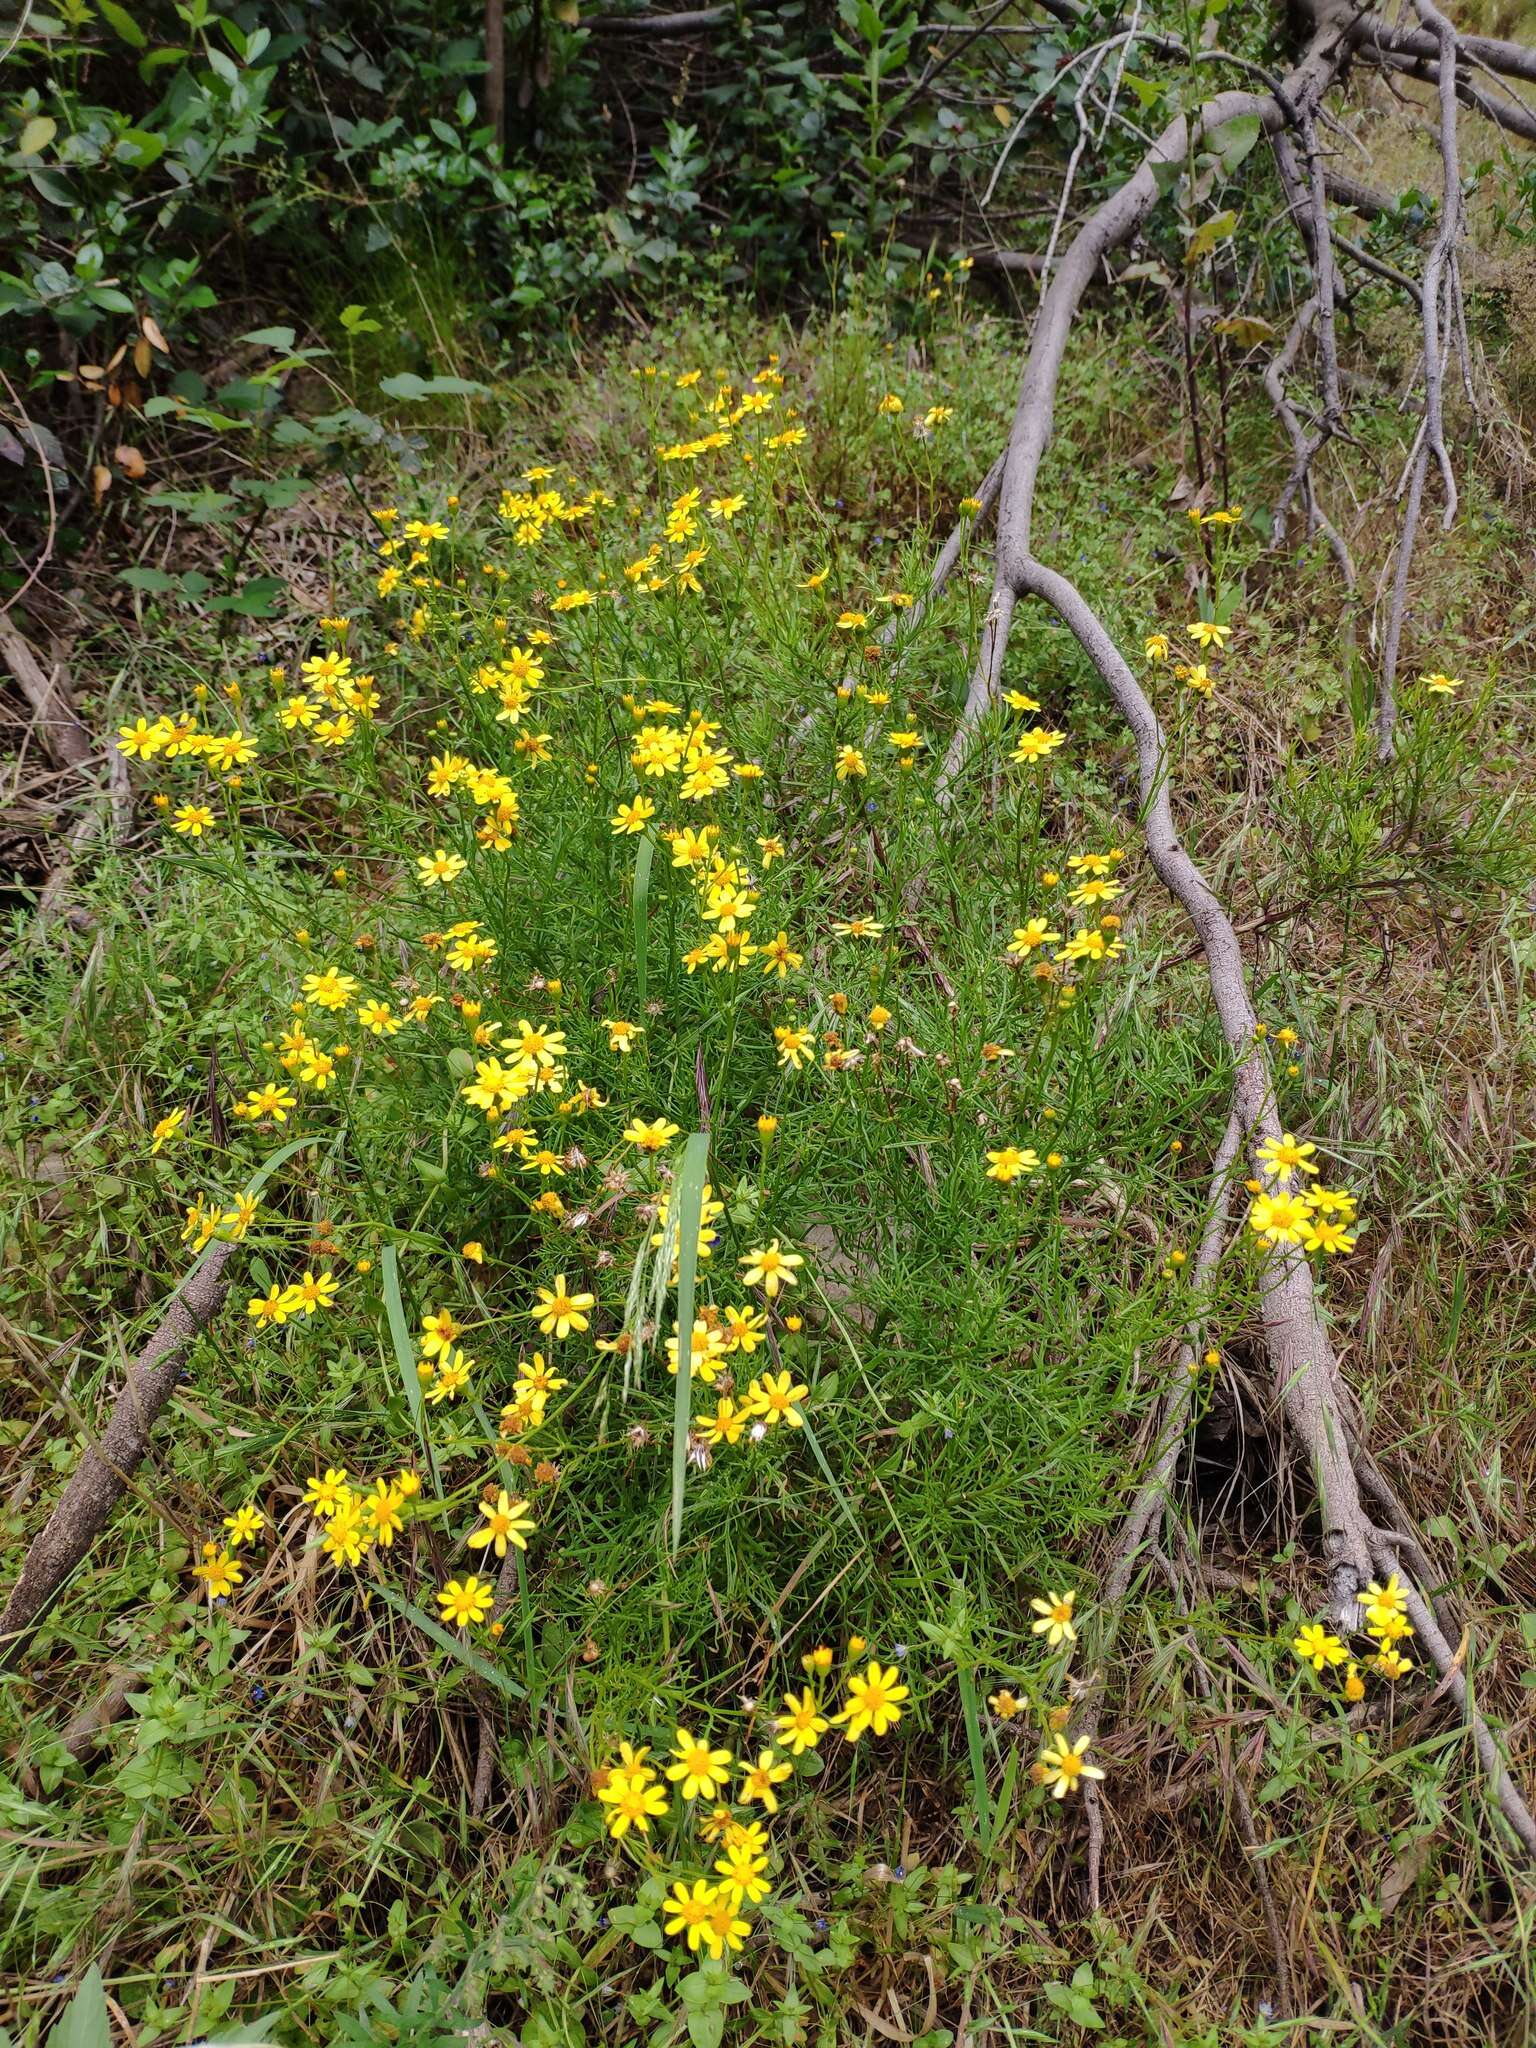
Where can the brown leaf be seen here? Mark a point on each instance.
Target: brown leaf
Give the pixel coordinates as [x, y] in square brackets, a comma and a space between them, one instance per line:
[143, 357]
[117, 357]
[130, 461]
[1403, 1873]
[150, 328]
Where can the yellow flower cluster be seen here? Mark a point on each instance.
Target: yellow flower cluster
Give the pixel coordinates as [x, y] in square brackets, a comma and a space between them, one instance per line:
[326, 712]
[1062, 1765]
[1387, 1626]
[633, 1793]
[204, 1220]
[300, 1298]
[218, 1572]
[1210, 636]
[353, 1519]
[530, 514]
[1289, 1207]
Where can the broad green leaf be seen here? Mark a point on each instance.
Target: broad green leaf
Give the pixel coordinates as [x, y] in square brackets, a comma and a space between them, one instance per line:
[141, 147]
[260, 598]
[406, 384]
[85, 2023]
[1232, 141]
[1165, 175]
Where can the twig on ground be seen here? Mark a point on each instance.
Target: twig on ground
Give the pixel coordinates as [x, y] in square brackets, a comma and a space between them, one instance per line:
[1276, 371]
[683, 23]
[1441, 292]
[81, 1733]
[1242, 1807]
[101, 1477]
[901, 623]
[58, 723]
[1450, 1666]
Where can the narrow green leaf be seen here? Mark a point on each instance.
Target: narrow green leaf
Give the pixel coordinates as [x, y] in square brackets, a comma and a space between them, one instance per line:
[405, 1349]
[640, 900]
[482, 1667]
[1004, 1806]
[280, 1157]
[979, 1799]
[831, 1478]
[688, 1205]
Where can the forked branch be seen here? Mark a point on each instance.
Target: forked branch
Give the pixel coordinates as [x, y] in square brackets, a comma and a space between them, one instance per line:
[1308, 1385]
[1440, 311]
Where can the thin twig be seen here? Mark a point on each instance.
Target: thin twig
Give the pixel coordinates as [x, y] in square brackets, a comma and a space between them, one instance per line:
[1440, 289]
[1450, 1665]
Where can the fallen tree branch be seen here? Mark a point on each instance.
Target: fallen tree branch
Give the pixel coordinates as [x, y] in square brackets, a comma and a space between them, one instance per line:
[679, 24]
[58, 724]
[1374, 34]
[101, 1477]
[1308, 1385]
[1450, 1664]
[1507, 111]
[1276, 371]
[1302, 1359]
[1301, 1355]
[1355, 196]
[1379, 267]
[1441, 291]
[1031, 263]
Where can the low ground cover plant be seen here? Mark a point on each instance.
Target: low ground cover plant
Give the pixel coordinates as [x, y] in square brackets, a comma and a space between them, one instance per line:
[709, 1215]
